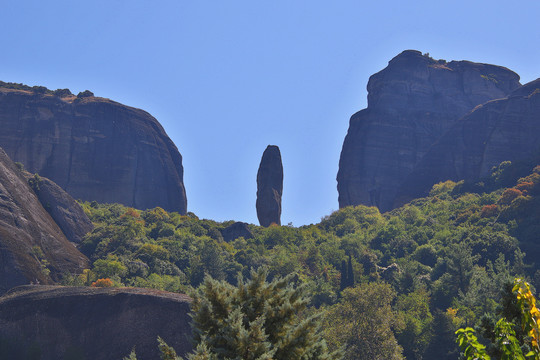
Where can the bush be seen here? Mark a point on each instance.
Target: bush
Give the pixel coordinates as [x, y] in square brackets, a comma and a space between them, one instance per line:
[102, 283]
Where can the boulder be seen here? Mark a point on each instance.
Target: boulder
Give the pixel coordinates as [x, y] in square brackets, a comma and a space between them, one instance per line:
[411, 103]
[236, 230]
[93, 148]
[55, 322]
[270, 187]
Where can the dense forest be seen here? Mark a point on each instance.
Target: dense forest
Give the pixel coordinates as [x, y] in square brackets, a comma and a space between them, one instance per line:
[394, 285]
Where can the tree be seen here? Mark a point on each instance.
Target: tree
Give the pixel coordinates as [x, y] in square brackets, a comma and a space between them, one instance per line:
[255, 320]
[505, 340]
[362, 322]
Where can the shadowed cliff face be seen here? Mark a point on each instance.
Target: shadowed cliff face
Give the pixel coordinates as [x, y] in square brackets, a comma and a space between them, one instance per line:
[91, 323]
[93, 148]
[411, 103]
[64, 210]
[29, 236]
[270, 187]
[500, 130]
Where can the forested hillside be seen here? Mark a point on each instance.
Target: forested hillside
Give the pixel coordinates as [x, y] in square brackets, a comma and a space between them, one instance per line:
[400, 282]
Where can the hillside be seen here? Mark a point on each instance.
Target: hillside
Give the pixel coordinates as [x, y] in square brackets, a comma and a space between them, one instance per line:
[446, 257]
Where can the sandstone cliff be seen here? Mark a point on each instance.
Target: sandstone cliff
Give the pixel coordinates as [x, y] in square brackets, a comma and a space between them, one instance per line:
[94, 148]
[500, 130]
[64, 210]
[91, 323]
[411, 103]
[270, 187]
[31, 244]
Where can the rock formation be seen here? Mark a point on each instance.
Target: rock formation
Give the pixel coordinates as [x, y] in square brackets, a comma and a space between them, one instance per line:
[270, 187]
[64, 210]
[411, 103]
[91, 323]
[500, 130]
[31, 244]
[94, 148]
[236, 230]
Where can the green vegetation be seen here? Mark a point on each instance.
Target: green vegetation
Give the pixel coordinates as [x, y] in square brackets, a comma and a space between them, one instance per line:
[421, 271]
[35, 89]
[254, 320]
[507, 341]
[490, 77]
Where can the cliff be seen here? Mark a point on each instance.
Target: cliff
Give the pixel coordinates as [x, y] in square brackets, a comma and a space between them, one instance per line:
[411, 103]
[32, 246]
[94, 148]
[64, 210]
[57, 322]
[501, 130]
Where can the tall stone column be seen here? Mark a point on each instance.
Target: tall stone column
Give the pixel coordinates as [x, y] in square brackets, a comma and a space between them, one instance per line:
[270, 187]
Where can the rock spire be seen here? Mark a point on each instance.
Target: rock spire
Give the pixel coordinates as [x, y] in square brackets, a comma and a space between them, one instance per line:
[270, 187]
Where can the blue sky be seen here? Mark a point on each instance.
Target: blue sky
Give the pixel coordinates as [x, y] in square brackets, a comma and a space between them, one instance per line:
[227, 78]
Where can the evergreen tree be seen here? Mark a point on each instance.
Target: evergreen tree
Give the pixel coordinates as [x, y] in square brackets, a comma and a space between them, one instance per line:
[350, 273]
[255, 320]
[344, 276]
[347, 274]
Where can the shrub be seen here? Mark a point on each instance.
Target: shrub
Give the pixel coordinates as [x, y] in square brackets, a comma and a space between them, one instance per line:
[509, 195]
[102, 283]
[489, 210]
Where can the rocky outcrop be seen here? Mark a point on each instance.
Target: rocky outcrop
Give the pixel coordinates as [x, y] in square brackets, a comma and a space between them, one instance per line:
[91, 323]
[411, 103]
[94, 148]
[270, 187]
[500, 130]
[236, 230]
[32, 246]
[64, 210]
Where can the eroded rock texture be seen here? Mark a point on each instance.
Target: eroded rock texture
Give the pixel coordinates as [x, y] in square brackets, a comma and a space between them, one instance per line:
[29, 236]
[270, 187]
[500, 130]
[411, 103]
[64, 210]
[94, 148]
[91, 323]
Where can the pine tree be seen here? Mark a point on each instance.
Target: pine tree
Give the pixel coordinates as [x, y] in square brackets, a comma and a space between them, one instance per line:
[350, 273]
[256, 320]
[344, 276]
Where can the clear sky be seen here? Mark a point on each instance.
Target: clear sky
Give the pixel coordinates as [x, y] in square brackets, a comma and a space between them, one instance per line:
[228, 78]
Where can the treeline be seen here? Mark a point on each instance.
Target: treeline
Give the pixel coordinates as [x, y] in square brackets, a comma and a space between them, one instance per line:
[392, 286]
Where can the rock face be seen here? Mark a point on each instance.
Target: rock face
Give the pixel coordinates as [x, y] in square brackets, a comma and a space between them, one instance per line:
[236, 230]
[29, 236]
[411, 103]
[270, 187]
[500, 130]
[64, 210]
[91, 323]
[94, 148]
